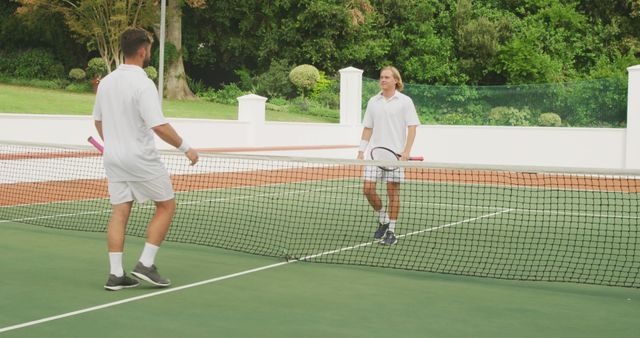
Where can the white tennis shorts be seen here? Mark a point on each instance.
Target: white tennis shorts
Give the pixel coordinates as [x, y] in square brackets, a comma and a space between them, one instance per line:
[158, 189]
[374, 173]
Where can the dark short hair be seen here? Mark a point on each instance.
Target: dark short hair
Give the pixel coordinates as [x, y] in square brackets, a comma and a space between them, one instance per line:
[132, 39]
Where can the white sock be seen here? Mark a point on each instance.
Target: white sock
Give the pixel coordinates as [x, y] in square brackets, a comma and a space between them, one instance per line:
[148, 254]
[115, 261]
[382, 216]
[392, 225]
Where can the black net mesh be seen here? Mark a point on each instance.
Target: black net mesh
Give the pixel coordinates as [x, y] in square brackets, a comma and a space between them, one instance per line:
[525, 224]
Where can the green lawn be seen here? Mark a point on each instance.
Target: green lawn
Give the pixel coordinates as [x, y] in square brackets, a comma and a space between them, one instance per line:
[30, 100]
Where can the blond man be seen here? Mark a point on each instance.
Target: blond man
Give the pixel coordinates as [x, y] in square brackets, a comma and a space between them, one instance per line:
[390, 121]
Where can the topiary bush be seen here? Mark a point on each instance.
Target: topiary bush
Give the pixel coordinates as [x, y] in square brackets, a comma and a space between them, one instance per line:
[77, 74]
[509, 116]
[549, 120]
[304, 77]
[96, 68]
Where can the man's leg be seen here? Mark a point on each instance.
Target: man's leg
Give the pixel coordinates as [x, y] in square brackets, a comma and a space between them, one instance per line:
[159, 224]
[115, 235]
[371, 194]
[376, 204]
[393, 191]
[115, 243]
[156, 231]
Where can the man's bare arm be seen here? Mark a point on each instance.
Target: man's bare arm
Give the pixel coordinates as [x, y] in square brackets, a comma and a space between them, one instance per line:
[99, 129]
[169, 135]
[364, 141]
[410, 138]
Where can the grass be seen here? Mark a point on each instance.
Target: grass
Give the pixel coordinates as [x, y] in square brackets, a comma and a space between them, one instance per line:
[30, 100]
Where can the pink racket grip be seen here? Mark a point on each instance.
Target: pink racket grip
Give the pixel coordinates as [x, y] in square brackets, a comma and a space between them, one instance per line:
[96, 144]
[416, 158]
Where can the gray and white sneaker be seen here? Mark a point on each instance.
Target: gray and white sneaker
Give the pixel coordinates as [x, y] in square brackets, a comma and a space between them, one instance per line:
[389, 238]
[118, 283]
[150, 274]
[382, 229]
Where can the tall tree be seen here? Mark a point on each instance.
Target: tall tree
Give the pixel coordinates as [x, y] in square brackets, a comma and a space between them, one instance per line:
[176, 78]
[98, 23]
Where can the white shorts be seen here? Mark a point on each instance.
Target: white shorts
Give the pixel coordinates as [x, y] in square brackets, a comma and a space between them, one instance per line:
[157, 189]
[374, 173]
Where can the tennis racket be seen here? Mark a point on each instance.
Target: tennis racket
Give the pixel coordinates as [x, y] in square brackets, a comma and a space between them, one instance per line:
[388, 155]
[96, 144]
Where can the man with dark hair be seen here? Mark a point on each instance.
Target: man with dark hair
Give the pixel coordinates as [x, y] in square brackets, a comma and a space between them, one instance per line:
[127, 113]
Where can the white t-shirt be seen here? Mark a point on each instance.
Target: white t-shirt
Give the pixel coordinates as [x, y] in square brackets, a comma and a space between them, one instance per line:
[389, 120]
[128, 105]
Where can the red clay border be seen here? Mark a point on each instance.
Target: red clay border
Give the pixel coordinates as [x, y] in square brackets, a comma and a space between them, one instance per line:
[59, 191]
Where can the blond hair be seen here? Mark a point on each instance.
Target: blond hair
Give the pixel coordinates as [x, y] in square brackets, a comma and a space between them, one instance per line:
[396, 75]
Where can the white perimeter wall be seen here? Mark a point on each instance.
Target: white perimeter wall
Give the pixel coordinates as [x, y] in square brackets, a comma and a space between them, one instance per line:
[556, 147]
[529, 146]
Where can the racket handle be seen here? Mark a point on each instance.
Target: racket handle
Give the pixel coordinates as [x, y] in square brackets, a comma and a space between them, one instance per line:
[96, 144]
[416, 158]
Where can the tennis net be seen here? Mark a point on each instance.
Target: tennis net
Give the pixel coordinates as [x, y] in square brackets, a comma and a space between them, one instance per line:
[539, 224]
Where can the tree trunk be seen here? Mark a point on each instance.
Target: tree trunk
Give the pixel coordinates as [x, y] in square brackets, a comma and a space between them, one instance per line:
[176, 78]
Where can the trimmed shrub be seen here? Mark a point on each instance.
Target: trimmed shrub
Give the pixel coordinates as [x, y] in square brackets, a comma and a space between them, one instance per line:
[96, 68]
[304, 77]
[31, 64]
[509, 116]
[77, 74]
[549, 120]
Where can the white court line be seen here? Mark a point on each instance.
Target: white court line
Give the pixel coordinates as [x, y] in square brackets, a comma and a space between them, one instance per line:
[531, 211]
[238, 274]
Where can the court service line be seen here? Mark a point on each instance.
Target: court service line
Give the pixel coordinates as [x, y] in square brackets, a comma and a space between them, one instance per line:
[230, 276]
[531, 211]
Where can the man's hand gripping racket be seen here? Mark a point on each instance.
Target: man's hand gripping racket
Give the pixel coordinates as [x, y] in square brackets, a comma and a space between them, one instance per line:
[388, 155]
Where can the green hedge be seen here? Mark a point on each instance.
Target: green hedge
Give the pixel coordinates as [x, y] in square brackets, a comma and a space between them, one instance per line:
[30, 64]
[587, 103]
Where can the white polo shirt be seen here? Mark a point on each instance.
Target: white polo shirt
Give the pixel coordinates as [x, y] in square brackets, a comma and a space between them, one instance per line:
[389, 120]
[128, 105]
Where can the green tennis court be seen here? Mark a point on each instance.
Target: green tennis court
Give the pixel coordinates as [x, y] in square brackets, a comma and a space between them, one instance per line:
[51, 272]
[480, 254]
